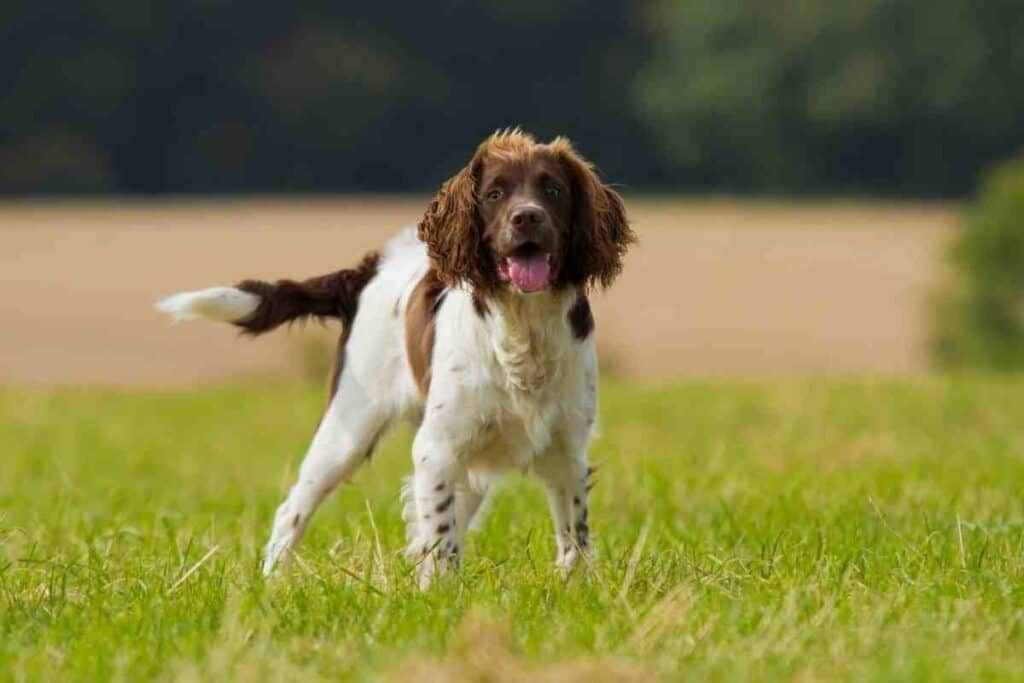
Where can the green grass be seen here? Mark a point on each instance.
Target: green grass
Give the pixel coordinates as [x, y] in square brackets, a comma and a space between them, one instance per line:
[796, 529]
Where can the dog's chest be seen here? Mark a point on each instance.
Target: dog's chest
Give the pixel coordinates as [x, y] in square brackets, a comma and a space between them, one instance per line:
[528, 340]
[513, 432]
[526, 368]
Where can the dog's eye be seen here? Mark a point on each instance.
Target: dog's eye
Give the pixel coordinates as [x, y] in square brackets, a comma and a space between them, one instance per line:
[554, 191]
[494, 195]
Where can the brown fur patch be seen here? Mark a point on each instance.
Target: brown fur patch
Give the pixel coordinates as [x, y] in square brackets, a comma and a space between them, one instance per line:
[479, 305]
[601, 233]
[424, 302]
[335, 295]
[445, 504]
[581, 320]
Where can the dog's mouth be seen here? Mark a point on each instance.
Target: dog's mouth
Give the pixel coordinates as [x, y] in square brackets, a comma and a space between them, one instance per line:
[528, 267]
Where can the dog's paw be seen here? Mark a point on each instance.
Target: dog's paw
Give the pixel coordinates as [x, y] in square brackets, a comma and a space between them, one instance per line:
[274, 555]
[289, 525]
[569, 559]
[431, 561]
[434, 566]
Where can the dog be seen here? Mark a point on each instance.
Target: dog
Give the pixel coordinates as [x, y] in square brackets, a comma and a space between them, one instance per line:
[477, 327]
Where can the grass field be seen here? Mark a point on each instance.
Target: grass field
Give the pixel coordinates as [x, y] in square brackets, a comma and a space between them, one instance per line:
[791, 529]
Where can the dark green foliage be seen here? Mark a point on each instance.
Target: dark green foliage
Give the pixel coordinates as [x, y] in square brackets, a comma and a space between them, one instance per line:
[981, 319]
[157, 96]
[161, 96]
[880, 96]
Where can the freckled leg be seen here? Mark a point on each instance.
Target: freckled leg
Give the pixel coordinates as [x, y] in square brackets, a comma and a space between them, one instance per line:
[581, 513]
[469, 509]
[343, 442]
[565, 479]
[437, 479]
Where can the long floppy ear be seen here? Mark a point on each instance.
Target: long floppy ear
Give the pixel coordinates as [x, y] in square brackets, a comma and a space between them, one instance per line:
[600, 230]
[451, 230]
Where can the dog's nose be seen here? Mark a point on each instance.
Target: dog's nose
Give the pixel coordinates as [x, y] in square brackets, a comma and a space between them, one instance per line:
[526, 216]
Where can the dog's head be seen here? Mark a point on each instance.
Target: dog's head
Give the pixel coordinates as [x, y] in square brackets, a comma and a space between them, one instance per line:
[527, 216]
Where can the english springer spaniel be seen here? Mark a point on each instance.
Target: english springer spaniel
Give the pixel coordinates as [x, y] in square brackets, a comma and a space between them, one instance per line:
[477, 328]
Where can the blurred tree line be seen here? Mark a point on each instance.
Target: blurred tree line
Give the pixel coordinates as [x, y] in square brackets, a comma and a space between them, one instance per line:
[154, 96]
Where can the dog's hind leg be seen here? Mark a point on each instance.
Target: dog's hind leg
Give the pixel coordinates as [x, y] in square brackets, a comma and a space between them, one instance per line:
[471, 507]
[476, 499]
[344, 440]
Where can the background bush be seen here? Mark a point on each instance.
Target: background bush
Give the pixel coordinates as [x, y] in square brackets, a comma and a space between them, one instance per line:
[981, 317]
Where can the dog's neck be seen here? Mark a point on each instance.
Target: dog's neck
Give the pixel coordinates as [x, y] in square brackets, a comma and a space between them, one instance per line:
[528, 334]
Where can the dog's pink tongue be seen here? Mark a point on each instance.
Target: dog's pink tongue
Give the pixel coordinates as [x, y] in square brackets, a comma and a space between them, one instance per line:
[531, 273]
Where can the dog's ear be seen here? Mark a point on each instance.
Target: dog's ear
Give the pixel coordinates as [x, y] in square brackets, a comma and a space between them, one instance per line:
[600, 232]
[452, 232]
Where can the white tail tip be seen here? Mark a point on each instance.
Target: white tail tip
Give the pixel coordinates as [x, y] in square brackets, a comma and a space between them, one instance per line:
[226, 304]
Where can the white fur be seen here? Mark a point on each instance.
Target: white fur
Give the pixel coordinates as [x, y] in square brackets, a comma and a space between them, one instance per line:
[216, 303]
[512, 390]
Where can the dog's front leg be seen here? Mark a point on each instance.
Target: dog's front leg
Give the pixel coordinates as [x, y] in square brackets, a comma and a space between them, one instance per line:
[438, 471]
[565, 475]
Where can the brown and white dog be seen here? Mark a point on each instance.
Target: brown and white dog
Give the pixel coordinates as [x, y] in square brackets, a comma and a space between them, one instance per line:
[477, 328]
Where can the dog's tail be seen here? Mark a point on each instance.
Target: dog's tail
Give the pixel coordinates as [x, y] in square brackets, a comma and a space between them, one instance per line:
[258, 306]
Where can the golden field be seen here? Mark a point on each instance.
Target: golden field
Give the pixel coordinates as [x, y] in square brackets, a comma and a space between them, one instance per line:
[716, 287]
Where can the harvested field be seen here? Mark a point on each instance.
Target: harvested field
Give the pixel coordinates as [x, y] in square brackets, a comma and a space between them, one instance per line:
[717, 287]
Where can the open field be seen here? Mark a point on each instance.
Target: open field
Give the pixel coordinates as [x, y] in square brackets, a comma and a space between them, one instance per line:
[792, 529]
[778, 529]
[716, 287]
